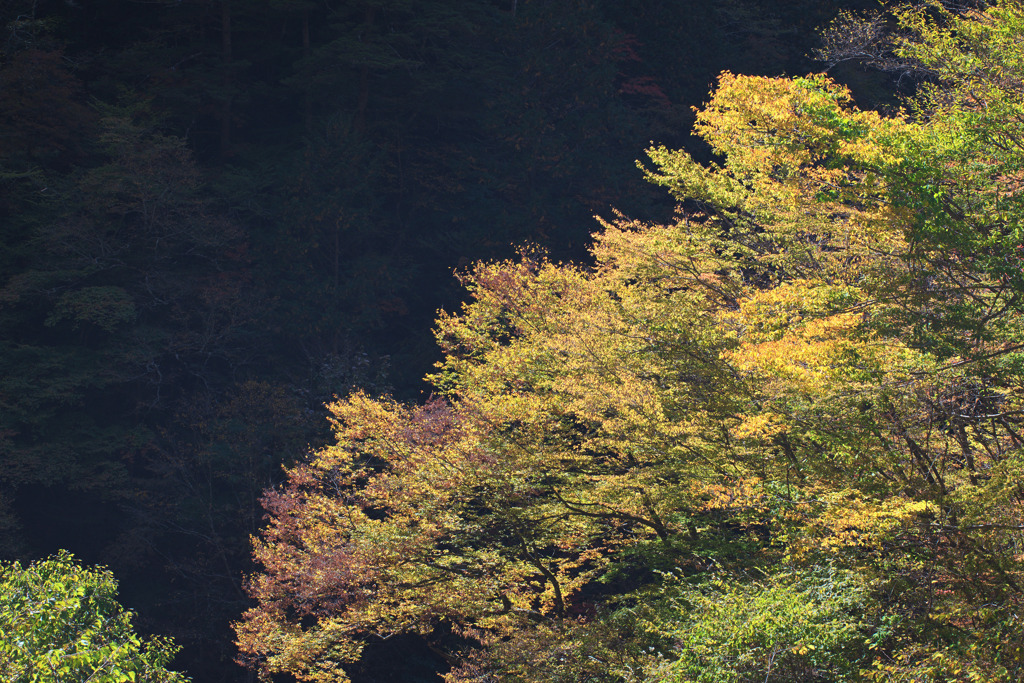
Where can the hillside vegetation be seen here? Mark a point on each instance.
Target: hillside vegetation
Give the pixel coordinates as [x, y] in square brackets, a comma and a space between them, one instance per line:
[776, 439]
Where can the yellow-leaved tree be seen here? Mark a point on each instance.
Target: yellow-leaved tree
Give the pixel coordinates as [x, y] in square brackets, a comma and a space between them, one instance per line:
[779, 439]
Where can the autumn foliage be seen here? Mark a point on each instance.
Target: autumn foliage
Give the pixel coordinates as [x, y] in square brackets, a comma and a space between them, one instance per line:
[778, 439]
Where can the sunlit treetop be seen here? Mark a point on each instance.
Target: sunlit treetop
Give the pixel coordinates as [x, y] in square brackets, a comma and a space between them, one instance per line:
[61, 623]
[817, 364]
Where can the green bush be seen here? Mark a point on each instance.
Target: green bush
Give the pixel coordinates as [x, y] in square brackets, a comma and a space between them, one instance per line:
[785, 628]
[61, 623]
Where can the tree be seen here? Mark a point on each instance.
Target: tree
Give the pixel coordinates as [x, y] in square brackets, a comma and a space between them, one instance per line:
[62, 622]
[817, 365]
[880, 322]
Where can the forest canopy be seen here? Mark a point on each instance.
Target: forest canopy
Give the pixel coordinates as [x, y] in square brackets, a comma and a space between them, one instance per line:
[775, 439]
[216, 216]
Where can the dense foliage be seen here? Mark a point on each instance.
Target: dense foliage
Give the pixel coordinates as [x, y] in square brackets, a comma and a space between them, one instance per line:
[61, 623]
[776, 439]
[216, 215]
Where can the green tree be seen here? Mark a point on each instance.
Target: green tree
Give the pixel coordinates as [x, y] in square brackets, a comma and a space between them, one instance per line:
[61, 623]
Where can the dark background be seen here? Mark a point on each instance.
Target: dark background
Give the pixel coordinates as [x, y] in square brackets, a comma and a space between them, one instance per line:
[215, 215]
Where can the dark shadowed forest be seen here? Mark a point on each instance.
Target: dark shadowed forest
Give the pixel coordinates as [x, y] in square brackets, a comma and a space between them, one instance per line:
[219, 216]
